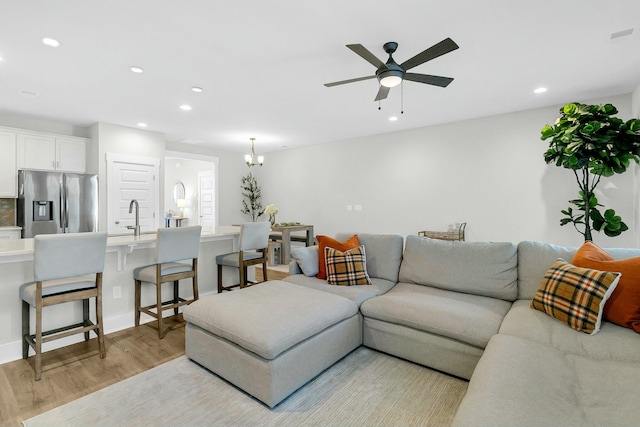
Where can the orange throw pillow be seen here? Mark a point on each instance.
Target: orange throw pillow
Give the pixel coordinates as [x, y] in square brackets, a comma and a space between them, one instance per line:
[330, 242]
[623, 307]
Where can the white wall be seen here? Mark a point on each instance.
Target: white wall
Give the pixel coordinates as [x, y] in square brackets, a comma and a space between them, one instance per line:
[635, 102]
[488, 172]
[124, 140]
[18, 120]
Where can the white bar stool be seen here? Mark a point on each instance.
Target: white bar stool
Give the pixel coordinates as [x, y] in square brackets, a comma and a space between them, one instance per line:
[172, 245]
[66, 267]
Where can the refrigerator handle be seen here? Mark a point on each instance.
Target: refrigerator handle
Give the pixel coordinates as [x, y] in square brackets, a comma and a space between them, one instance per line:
[63, 208]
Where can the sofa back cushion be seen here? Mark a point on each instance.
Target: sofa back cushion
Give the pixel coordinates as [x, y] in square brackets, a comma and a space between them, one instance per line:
[535, 258]
[384, 253]
[479, 268]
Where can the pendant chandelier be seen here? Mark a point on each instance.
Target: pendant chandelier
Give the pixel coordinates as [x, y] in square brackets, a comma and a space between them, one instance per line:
[252, 159]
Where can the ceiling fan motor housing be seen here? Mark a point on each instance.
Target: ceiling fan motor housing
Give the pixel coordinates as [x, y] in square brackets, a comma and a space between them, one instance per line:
[391, 74]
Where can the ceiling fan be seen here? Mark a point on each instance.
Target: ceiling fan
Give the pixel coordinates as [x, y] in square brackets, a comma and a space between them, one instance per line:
[391, 74]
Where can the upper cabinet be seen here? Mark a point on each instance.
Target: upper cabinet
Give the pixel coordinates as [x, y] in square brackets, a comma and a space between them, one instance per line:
[51, 152]
[8, 169]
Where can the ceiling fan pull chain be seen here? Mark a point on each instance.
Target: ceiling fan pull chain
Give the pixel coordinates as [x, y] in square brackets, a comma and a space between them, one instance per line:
[379, 105]
[402, 97]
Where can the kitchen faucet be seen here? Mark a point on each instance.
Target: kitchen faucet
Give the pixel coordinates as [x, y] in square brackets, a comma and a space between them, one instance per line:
[135, 228]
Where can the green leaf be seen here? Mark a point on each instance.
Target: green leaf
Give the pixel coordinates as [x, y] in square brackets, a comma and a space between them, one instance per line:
[546, 132]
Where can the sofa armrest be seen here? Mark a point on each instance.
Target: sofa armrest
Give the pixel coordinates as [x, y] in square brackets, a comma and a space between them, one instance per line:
[294, 268]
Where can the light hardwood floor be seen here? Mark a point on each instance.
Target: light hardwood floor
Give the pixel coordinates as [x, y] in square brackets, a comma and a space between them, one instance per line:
[76, 370]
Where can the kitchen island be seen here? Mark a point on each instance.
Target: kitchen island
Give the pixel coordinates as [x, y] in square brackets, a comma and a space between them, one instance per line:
[124, 253]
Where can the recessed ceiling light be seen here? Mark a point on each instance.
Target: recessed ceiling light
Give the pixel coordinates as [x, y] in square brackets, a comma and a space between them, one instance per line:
[393, 118]
[142, 125]
[185, 107]
[196, 89]
[540, 90]
[50, 42]
[136, 69]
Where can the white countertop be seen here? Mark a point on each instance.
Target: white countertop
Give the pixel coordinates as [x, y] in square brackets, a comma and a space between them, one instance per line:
[12, 250]
[9, 228]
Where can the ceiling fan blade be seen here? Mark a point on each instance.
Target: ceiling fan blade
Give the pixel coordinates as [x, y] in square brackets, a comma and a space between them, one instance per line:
[364, 53]
[445, 46]
[348, 81]
[382, 93]
[428, 79]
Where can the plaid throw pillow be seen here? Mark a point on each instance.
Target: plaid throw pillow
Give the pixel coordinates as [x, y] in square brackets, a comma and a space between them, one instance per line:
[346, 268]
[575, 295]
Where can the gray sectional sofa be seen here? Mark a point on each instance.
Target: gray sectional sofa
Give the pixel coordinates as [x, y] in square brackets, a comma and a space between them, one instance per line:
[463, 308]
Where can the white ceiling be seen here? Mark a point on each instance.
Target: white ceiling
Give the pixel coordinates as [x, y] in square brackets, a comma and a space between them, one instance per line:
[263, 64]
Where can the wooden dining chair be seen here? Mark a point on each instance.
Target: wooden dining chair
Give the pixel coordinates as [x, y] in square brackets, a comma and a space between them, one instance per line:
[66, 268]
[173, 247]
[253, 250]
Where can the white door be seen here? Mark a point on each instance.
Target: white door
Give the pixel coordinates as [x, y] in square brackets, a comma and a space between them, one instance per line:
[132, 178]
[206, 199]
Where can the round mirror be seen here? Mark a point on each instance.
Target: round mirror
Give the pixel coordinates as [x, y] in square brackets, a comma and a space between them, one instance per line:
[178, 191]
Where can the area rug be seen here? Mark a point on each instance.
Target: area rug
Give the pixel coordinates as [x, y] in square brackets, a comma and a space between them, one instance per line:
[366, 388]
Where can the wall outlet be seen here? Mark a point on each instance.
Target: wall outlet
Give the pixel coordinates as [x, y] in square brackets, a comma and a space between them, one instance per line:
[349, 207]
[117, 292]
[358, 207]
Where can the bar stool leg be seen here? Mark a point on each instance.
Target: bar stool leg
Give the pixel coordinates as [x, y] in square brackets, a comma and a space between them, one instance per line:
[138, 285]
[162, 331]
[26, 328]
[100, 331]
[196, 296]
[85, 316]
[175, 296]
[219, 279]
[38, 346]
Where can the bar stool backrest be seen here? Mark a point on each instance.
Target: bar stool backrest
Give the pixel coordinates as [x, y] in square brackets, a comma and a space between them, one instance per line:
[254, 235]
[177, 244]
[58, 256]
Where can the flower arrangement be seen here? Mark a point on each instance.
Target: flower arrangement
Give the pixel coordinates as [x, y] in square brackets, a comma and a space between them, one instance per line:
[271, 210]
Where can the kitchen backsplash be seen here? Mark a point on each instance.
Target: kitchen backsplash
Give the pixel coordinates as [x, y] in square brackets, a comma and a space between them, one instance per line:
[7, 212]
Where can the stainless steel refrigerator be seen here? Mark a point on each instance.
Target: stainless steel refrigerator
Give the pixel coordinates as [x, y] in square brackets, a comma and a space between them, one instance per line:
[55, 202]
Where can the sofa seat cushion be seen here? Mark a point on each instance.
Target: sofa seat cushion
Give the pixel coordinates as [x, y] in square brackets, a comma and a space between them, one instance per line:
[613, 342]
[519, 382]
[357, 294]
[481, 268]
[247, 317]
[471, 319]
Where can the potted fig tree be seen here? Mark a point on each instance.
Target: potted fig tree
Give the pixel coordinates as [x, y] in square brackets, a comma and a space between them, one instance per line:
[590, 141]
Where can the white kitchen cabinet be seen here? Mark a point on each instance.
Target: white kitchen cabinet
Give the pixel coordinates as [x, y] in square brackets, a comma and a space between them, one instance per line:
[8, 168]
[71, 155]
[51, 152]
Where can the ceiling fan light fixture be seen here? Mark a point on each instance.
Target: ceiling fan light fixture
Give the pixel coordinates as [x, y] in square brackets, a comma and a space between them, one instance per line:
[390, 78]
[390, 81]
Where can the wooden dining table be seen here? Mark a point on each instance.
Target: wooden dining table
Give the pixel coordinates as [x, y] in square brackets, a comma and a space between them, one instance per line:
[286, 231]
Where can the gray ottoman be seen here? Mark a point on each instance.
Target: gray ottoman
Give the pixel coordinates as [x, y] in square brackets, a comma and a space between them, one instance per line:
[272, 338]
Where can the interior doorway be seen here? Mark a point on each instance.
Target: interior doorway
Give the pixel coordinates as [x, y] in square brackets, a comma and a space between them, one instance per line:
[199, 174]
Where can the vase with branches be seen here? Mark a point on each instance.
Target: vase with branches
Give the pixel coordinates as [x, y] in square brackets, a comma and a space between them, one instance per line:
[590, 141]
[251, 197]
